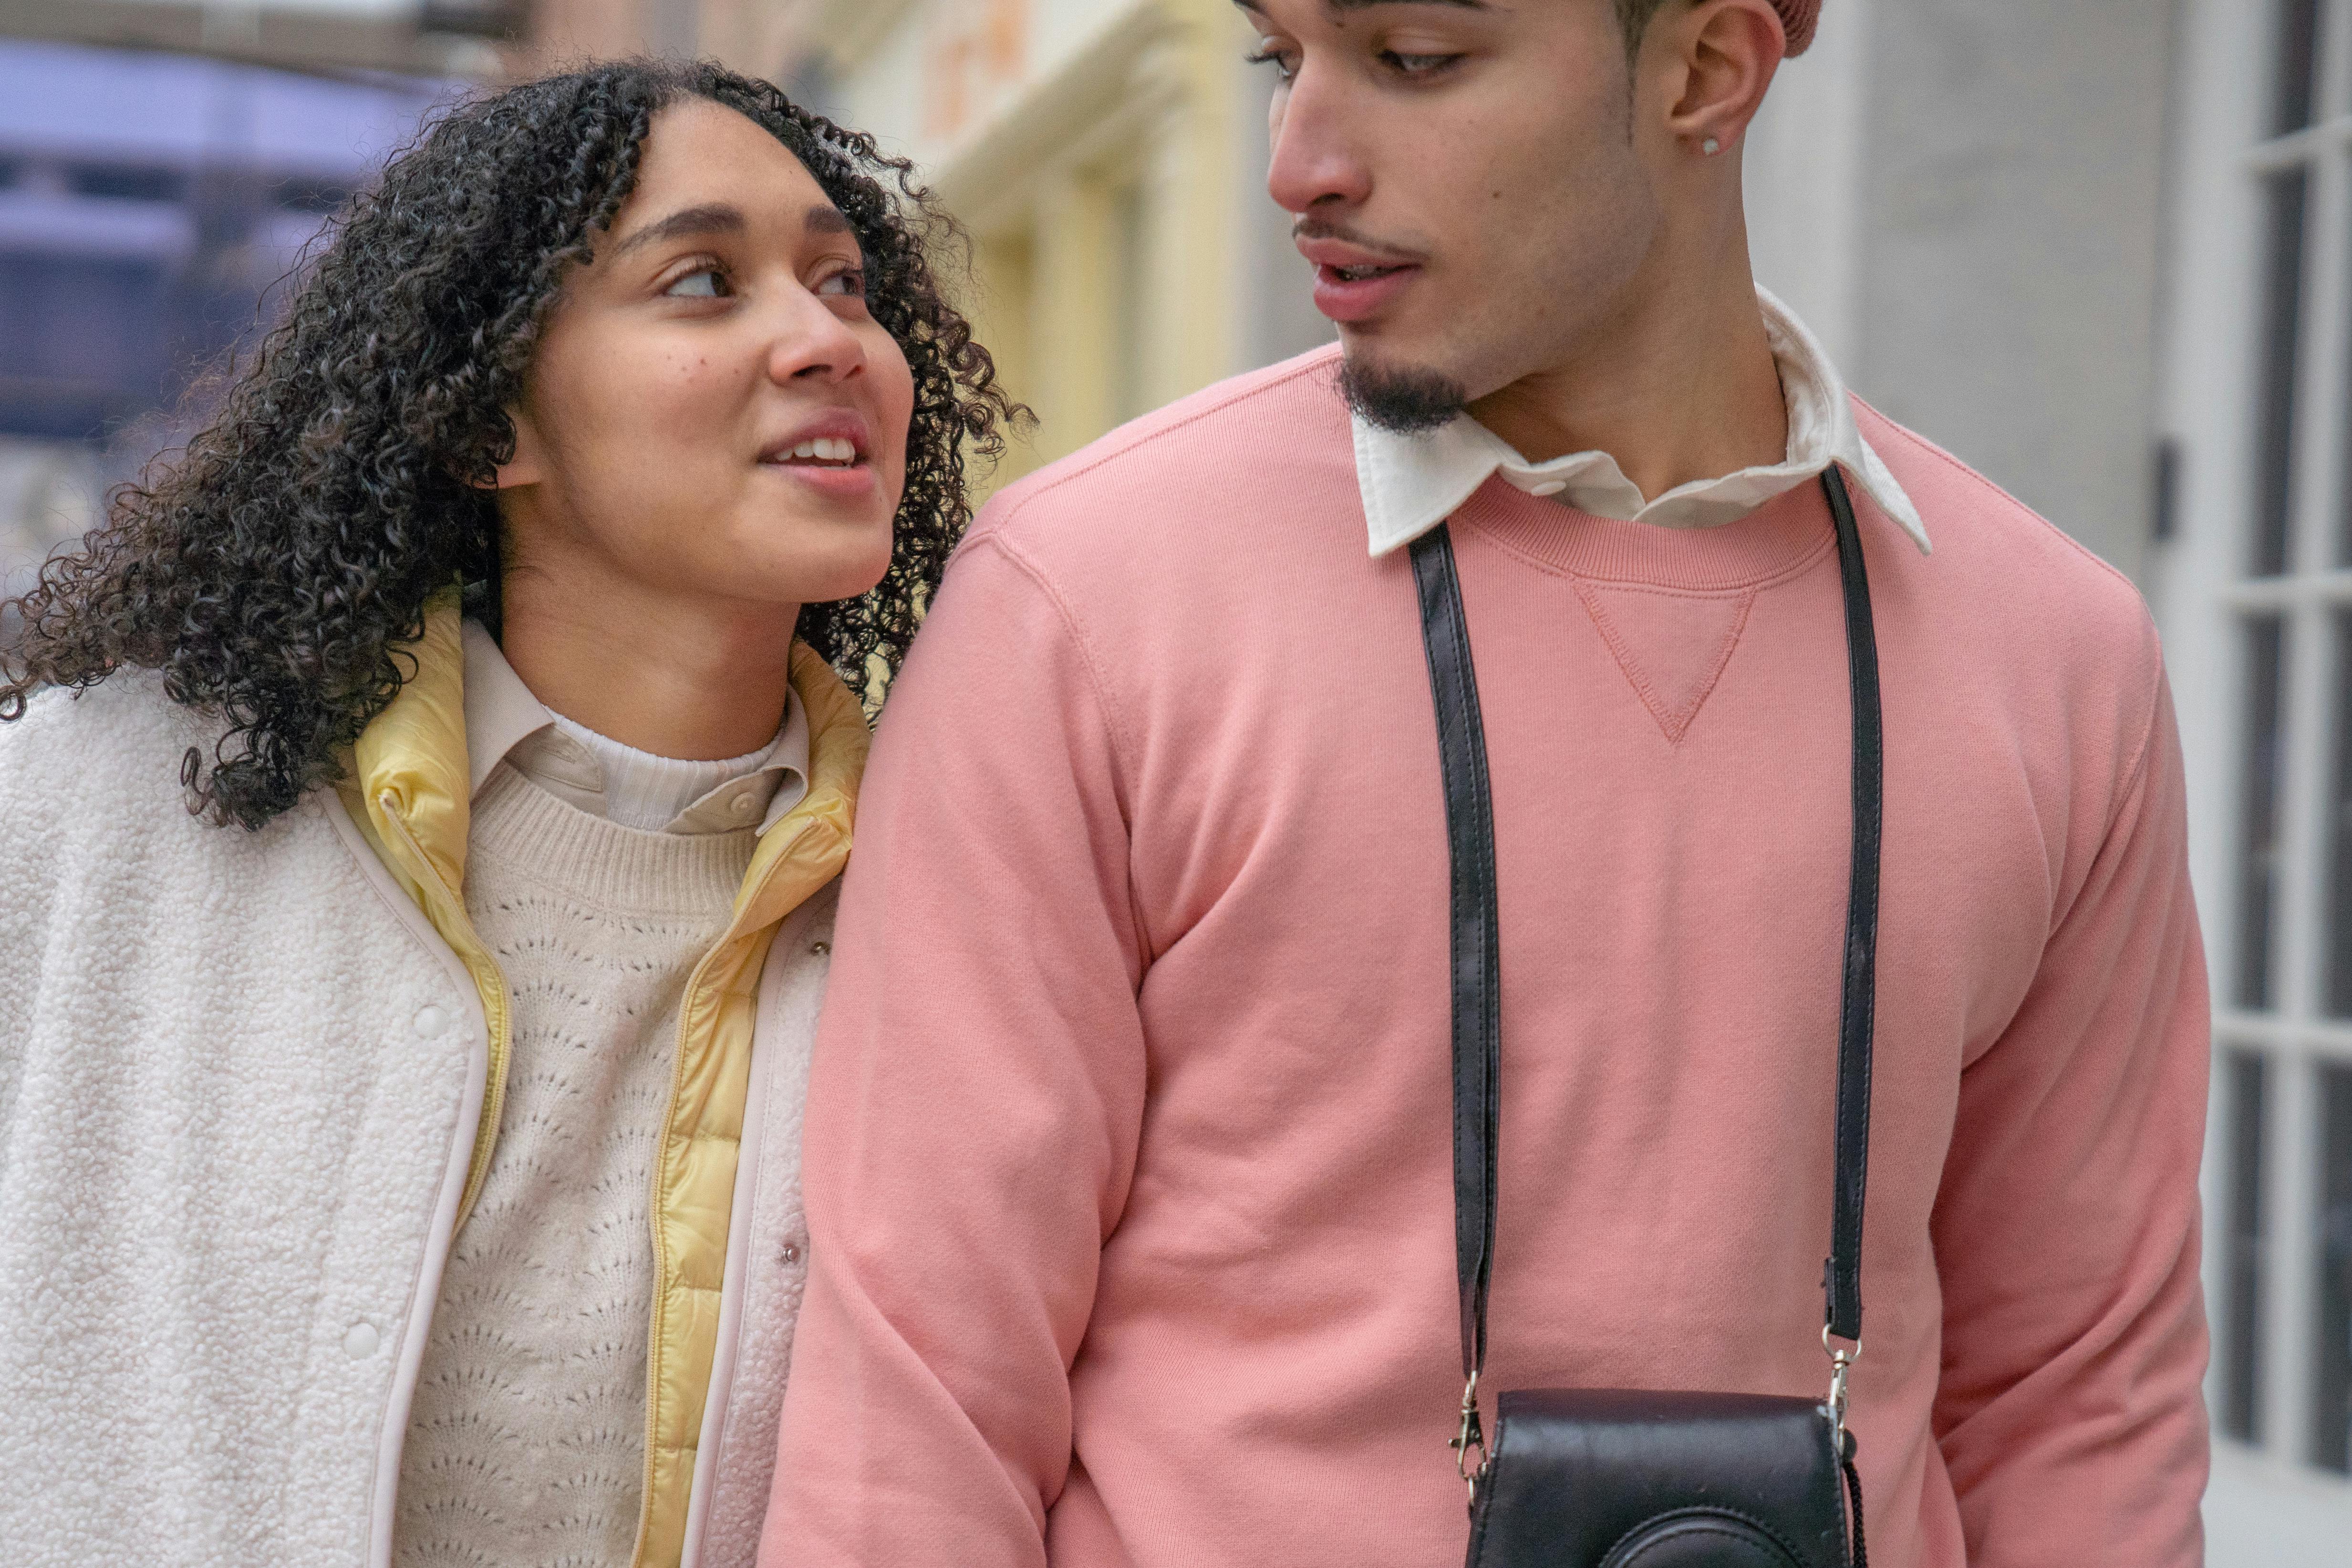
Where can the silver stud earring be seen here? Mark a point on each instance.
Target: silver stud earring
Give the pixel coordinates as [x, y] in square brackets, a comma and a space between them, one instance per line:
[1710, 146]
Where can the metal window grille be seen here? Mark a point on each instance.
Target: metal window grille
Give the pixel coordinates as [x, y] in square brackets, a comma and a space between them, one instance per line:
[2281, 1157]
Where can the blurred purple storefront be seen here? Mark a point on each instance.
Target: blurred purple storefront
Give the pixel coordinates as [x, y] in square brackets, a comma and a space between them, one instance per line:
[150, 205]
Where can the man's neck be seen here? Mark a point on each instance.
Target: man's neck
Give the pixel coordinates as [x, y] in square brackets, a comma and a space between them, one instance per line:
[1678, 385]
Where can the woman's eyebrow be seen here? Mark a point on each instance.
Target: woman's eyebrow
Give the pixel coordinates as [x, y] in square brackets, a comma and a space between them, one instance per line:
[718, 217]
[715, 218]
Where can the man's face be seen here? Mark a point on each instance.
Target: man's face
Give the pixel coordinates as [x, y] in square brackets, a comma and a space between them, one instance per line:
[1468, 179]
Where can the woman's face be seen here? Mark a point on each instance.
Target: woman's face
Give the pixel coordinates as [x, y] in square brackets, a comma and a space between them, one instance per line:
[711, 413]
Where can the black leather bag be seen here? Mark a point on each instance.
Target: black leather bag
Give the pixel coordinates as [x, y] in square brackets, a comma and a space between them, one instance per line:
[1631, 1477]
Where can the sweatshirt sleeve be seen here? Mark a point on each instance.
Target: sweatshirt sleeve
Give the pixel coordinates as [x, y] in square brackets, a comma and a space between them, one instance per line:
[974, 1101]
[2070, 1414]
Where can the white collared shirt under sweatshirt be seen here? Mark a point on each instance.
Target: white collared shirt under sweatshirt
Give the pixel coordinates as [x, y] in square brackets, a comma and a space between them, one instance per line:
[1412, 483]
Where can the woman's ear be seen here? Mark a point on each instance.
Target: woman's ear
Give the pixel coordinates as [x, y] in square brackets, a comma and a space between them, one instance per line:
[527, 467]
[1726, 54]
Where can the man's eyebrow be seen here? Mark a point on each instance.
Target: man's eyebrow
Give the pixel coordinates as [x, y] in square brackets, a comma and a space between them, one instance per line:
[715, 218]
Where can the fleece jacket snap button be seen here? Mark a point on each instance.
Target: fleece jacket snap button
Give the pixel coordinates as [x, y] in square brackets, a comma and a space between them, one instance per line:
[361, 1342]
[429, 1021]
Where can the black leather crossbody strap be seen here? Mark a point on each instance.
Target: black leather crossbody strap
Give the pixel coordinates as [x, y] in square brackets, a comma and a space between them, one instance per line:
[1477, 965]
[1842, 1275]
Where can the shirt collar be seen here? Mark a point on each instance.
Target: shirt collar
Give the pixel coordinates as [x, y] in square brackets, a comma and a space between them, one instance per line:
[504, 721]
[1412, 483]
[500, 711]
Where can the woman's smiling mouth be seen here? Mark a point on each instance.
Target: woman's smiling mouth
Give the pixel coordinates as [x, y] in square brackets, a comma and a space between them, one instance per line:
[830, 451]
[831, 454]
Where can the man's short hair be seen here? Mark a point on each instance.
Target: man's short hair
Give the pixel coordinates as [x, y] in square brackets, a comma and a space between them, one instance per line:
[1634, 17]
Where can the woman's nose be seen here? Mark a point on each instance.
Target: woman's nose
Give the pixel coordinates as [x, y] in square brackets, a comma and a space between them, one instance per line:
[811, 342]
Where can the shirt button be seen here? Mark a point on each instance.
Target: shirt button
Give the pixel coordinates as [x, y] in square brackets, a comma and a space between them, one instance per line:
[429, 1021]
[819, 948]
[361, 1342]
[744, 805]
[791, 1252]
[1548, 488]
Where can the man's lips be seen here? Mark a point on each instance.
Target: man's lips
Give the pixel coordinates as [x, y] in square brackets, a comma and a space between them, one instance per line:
[1353, 282]
[1357, 293]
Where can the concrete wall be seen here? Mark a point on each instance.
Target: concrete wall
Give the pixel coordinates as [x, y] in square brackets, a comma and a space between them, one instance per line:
[1965, 196]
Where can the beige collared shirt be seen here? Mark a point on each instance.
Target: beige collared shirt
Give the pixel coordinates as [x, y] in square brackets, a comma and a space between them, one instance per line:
[504, 722]
[1412, 483]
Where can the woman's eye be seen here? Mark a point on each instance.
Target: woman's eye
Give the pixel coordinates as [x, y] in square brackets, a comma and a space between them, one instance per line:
[702, 283]
[851, 284]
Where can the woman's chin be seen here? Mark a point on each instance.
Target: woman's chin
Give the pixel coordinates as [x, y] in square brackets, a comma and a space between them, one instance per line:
[822, 576]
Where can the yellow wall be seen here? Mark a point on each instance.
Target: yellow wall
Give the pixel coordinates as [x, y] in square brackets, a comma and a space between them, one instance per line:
[1095, 148]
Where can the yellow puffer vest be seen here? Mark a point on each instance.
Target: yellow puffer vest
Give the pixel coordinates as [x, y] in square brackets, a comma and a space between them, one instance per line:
[407, 792]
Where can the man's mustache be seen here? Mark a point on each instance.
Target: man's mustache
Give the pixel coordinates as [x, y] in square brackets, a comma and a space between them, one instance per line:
[1310, 226]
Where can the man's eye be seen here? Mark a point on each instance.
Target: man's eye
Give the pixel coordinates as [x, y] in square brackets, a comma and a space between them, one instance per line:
[1285, 65]
[1420, 65]
[702, 283]
[851, 283]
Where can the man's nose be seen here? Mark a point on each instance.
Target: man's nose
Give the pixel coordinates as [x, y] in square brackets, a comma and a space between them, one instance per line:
[1318, 159]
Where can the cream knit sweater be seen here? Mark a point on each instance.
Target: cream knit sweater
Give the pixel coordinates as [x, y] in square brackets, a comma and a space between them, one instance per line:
[526, 1443]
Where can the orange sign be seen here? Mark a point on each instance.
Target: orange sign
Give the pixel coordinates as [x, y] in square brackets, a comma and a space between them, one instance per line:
[973, 51]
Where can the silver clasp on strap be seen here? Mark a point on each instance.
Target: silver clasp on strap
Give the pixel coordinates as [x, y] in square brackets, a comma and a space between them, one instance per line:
[1841, 1361]
[1471, 1436]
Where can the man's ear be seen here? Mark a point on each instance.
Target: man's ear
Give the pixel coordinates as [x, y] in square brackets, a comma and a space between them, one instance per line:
[1719, 58]
[527, 467]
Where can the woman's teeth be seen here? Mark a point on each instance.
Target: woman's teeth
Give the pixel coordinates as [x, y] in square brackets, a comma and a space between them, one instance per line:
[825, 449]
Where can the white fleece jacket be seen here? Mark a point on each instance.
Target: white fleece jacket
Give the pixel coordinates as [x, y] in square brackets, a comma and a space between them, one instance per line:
[240, 1082]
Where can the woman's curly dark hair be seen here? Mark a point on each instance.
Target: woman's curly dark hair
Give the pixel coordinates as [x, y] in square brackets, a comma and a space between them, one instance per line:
[274, 572]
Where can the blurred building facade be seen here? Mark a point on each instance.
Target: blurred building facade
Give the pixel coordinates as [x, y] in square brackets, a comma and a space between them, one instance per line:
[148, 204]
[1109, 158]
[434, 38]
[2250, 577]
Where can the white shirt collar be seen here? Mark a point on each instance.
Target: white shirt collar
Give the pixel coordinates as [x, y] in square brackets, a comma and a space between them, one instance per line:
[505, 722]
[1412, 483]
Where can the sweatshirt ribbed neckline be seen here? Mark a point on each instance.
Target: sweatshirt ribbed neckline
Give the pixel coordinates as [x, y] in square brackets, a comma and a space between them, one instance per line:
[1783, 535]
[600, 862]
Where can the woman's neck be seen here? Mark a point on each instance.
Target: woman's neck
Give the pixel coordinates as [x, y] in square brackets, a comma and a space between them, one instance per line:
[694, 681]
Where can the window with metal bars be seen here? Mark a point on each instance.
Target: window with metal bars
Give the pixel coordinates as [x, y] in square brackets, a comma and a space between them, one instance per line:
[2281, 1260]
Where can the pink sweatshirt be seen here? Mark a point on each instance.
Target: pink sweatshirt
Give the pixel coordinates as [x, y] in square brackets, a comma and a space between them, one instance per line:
[1127, 1149]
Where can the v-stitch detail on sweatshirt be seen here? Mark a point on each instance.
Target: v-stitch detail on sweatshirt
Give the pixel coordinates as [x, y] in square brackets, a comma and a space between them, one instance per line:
[1684, 658]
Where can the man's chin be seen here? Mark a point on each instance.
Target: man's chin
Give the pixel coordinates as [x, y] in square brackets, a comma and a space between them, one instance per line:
[1407, 399]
